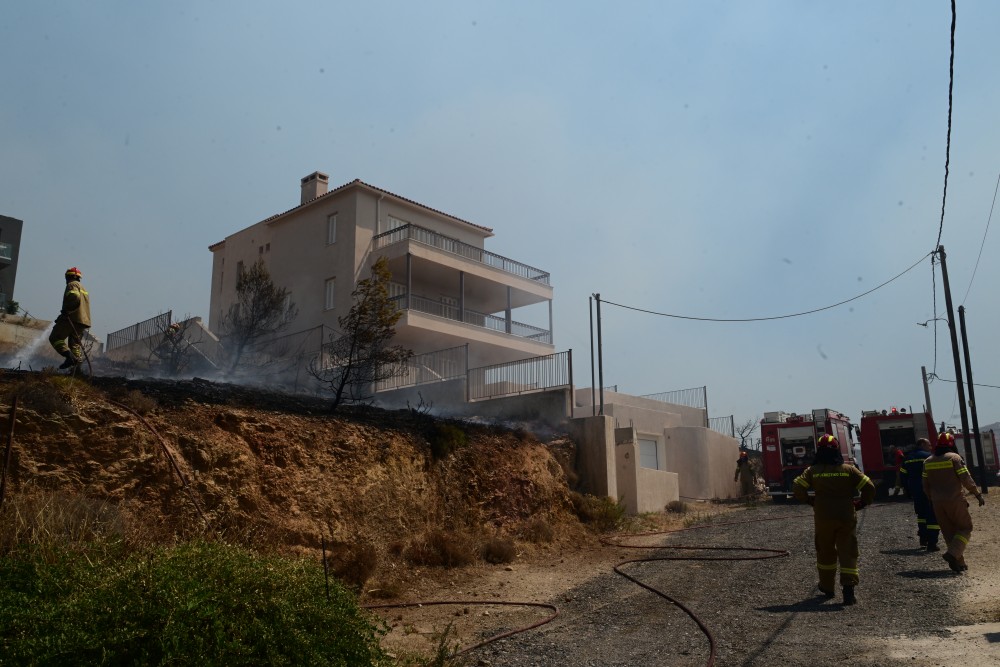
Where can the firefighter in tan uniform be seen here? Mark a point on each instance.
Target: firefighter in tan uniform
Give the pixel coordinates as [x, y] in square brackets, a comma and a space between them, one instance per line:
[745, 475]
[73, 321]
[834, 514]
[944, 476]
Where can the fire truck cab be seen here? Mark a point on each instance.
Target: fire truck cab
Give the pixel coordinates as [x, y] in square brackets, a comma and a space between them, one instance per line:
[788, 443]
[883, 431]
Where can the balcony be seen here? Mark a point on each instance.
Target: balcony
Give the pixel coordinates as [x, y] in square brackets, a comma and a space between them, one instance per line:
[6, 252]
[448, 311]
[433, 239]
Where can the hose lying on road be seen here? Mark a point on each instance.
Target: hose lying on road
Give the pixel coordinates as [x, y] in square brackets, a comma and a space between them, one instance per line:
[756, 553]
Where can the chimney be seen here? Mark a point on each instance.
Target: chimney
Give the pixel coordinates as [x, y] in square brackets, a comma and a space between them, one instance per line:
[314, 185]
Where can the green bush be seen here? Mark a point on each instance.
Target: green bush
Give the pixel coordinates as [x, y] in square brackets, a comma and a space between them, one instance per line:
[198, 603]
[601, 513]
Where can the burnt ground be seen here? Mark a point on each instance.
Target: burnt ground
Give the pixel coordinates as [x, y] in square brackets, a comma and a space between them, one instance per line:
[280, 473]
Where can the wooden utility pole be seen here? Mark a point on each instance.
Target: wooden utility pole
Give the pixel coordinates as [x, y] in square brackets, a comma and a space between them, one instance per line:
[981, 462]
[955, 353]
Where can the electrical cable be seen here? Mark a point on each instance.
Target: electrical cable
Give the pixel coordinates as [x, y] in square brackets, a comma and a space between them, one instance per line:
[980, 256]
[776, 317]
[947, 151]
[932, 376]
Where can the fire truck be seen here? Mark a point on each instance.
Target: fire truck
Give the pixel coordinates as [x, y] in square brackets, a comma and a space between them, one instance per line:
[883, 431]
[788, 443]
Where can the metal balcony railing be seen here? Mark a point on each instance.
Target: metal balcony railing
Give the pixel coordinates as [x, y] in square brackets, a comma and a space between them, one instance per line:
[452, 312]
[454, 246]
[6, 251]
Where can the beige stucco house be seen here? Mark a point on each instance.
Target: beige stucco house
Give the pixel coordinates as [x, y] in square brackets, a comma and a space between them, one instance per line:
[451, 290]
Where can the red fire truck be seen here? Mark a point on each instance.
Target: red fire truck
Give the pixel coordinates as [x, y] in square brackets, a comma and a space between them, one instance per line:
[788, 442]
[881, 433]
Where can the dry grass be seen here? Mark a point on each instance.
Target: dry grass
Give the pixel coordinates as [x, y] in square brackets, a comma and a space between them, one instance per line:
[538, 531]
[44, 519]
[138, 401]
[354, 564]
[498, 550]
[677, 506]
[440, 548]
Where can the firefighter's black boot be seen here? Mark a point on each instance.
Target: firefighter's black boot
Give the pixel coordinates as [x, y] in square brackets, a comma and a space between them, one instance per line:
[70, 361]
[849, 595]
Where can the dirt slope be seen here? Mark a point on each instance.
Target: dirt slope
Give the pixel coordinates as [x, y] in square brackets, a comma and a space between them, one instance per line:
[273, 471]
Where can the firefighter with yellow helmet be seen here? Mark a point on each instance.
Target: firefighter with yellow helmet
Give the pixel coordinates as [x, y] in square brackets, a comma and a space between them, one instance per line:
[944, 478]
[745, 475]
[73, 321]
[835, 485]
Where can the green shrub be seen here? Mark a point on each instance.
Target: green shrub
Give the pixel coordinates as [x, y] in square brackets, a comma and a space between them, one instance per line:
[601, 513]
[198, 603]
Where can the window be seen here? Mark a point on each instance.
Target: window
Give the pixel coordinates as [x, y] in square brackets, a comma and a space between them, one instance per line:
[330, 293]
[331, 229]
[647, 454]
[239, 270]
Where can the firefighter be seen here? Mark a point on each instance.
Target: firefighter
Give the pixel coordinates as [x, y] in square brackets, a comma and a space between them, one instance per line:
[835, 484]
[745, 474]
[897, 458]
[912, 472]
[73, 321]
[943, 478]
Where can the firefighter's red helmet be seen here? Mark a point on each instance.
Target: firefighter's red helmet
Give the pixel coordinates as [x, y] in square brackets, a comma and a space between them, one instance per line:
[74, 273]
[946, 440]
[744, 455]
[828, 442]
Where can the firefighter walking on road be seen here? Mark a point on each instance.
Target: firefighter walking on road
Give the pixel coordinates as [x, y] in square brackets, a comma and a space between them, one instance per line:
[835, 485]
[745, 475]
[912, 472]
[73, 321]
[944, 477]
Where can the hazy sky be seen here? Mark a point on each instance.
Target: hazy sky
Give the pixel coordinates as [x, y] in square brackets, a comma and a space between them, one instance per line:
[710, 159]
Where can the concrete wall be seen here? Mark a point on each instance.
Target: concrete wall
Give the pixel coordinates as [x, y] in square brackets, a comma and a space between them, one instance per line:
[636, 408]
[641, 489]
[704, 460]
[595, 457]
[447, 397]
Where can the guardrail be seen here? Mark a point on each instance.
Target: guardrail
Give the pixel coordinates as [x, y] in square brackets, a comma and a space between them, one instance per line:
[437, 366]
[454, 246]
[696, 397]
[723, 425]
[522, 376]
[136, 332]
[492, 322]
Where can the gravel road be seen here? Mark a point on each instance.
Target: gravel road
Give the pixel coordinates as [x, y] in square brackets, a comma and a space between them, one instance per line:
[769, 612]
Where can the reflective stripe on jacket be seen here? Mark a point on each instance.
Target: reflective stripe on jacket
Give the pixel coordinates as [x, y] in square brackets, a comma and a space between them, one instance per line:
[835, 486]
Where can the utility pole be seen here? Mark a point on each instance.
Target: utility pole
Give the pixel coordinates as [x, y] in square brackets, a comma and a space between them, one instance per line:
[593, 387]
[927, 393]
[972, 405]
[600, 352]
[955, 353]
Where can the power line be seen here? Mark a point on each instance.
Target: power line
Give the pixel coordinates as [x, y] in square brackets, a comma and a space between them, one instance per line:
[984, 239]
[931, 376]
[947, 151]
[775, 317]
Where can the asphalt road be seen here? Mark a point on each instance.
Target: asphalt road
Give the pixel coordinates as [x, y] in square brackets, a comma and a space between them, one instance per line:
[769, 612]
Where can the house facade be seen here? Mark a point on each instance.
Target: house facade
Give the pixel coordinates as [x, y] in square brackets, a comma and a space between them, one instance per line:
[10, 248]
[451, 291]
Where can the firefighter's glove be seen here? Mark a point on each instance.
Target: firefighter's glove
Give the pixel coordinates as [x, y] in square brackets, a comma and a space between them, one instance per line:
[982, 501]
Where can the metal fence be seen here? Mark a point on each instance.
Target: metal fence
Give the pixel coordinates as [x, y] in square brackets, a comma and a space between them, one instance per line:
[518, 377]
[136, 332]
[452, 312]
[724, 425]
[696, 397]
[448, 244]
[436, 366]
